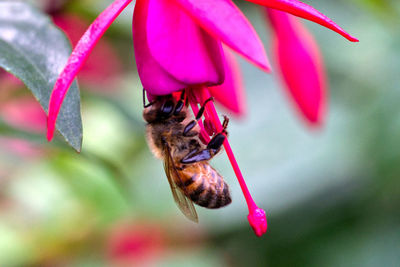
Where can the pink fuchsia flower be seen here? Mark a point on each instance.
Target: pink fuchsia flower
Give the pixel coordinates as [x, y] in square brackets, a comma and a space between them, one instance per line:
[300, 64]
[178, 46]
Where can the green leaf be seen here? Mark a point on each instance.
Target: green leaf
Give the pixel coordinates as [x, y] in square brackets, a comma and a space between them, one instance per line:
[35, 50]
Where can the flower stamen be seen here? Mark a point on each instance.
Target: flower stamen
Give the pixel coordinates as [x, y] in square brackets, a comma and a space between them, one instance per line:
[256, 217]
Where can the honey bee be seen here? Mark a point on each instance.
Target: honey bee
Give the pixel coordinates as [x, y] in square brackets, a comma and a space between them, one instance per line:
[174, 136]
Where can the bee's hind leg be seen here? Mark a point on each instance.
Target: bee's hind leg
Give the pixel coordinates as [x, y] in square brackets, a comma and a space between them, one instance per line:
[193, 123]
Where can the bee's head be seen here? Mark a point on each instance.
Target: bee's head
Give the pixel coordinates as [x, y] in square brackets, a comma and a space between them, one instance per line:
[162, 108]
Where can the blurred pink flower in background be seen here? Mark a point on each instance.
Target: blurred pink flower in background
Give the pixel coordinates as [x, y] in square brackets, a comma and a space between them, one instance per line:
[135, 244]
[21, 148]
[9, 82]
[22, 113]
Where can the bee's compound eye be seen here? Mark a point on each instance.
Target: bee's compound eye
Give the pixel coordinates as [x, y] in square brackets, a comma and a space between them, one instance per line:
[167, 108]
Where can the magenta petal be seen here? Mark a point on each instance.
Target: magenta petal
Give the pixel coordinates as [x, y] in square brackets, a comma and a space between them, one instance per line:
[181, 47]
[300, 64]
[223, 20]
[231, 93]
[305, 11]
[154, 78]
[78, 58]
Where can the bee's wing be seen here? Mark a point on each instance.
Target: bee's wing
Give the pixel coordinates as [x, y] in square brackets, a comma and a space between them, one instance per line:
[183, 202]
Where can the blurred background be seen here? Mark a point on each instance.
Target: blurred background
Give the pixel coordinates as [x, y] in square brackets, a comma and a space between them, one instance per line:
[332, 194]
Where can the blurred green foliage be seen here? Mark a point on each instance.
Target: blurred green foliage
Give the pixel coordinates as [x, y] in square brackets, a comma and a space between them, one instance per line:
[332, 194]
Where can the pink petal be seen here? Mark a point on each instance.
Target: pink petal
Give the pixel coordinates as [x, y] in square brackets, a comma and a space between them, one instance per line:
[305, 11]
[78, 58]
[231, 93]
[300, 64]
[154, 78]
[223, 20]
[181, 47]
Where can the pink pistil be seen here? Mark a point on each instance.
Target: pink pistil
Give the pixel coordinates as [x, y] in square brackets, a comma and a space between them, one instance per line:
[256, 217]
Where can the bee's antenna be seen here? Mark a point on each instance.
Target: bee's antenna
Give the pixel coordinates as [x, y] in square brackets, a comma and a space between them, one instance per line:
[144, 100]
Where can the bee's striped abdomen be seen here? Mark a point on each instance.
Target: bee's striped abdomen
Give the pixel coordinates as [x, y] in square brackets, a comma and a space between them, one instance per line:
[204, 186]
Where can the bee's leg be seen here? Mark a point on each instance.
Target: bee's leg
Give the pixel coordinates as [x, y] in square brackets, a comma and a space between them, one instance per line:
[193, 123]
[217, 141]
[196, 156]
[202, 108]
[189, 127]
[213, 147]
[192, 154]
